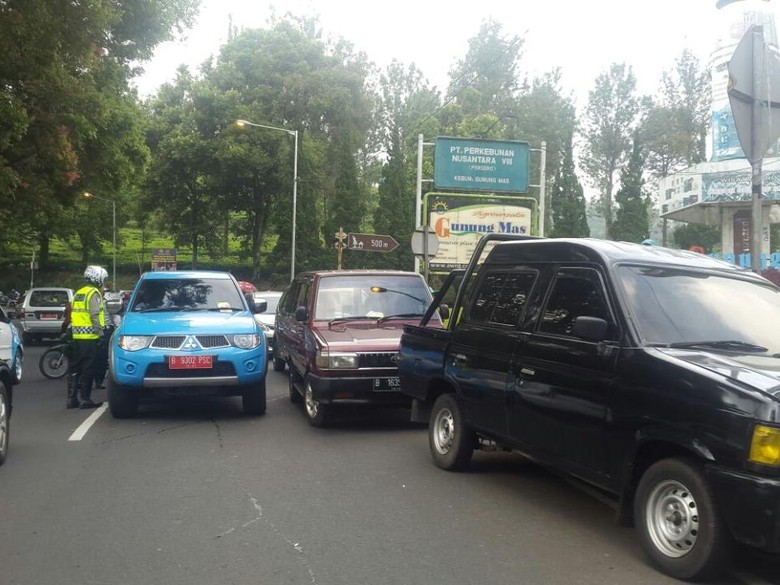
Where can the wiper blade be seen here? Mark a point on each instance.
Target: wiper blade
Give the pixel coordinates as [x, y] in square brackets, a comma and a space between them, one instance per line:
[355, 318]
[161, 309]
[727, 344]
[399, 316]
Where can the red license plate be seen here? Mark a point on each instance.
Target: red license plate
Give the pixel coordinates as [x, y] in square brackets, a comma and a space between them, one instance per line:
[49, 316]
[190, 362]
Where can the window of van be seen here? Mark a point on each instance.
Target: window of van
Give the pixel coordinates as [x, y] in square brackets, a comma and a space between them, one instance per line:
[576, 292]
[501, 297]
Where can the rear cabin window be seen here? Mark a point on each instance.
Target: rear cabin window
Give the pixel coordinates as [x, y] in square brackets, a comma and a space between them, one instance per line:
[49, 298]
[501, 297]
[576, 292]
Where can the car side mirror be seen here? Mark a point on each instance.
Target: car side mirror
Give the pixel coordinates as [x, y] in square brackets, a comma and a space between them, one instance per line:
[590, 328]
[300, 314]
[255, 307]
[260, 300]
[444, 312]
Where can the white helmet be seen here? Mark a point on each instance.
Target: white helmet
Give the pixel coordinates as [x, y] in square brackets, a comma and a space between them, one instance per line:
[95, 275]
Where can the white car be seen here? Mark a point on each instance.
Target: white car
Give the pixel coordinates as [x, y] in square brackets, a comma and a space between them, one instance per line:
[267, 319]
[42, 312]
[11, 349]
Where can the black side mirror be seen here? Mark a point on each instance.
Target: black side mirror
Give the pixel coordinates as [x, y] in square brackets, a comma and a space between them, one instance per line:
[444, 312]
[260, 301]
[590, 328]
[300, 314]
[255, 307]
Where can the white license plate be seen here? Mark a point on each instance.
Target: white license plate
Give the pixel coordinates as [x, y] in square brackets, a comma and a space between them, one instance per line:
[387, 384]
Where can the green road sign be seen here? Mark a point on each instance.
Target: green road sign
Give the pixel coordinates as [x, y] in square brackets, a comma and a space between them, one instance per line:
[499, 166]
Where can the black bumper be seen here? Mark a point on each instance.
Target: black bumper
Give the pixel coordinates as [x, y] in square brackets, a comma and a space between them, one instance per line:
[355, 390]
[750, 505]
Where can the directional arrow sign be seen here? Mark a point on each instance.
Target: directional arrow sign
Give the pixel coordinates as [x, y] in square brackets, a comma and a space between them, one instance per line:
[371, 242]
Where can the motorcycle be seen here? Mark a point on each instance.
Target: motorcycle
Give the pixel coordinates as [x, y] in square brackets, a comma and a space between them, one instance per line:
[55, 360]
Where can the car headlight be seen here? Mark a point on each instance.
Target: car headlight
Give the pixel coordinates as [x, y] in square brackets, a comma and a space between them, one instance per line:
[135, 342]
[765, 446]
[246, 341]
[334, 361]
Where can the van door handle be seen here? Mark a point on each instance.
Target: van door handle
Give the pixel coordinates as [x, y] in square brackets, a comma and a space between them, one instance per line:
[459, 359]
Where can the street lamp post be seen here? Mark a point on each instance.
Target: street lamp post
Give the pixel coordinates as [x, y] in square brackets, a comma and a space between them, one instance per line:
[113, 218]
[294, 134]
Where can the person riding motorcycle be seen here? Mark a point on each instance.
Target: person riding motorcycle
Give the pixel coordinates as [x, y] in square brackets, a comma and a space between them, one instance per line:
[88, 324]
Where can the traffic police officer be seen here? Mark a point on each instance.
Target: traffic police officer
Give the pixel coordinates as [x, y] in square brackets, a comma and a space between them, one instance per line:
[88, 324]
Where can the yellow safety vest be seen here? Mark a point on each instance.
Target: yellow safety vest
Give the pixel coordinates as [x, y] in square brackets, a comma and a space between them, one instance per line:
[81, 323]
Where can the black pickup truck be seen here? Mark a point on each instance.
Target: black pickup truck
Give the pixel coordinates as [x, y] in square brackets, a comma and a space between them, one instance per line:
[650, 374]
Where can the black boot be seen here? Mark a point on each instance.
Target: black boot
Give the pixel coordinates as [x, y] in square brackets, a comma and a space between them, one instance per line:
[72, 400]
[86, 400]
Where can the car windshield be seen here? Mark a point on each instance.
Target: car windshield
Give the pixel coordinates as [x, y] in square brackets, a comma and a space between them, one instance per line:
[48, 298]
[371, 296]
[688, 308]
[187, 294]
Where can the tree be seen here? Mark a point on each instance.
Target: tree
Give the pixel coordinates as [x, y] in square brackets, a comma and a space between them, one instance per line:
[610, 118]
[694, 234]
[632, 222]
[568, 209]
[64, 71]
[545, 114]
[675, 128]
[182, 178]
[485, 80]
[405, 98]
[687, 92]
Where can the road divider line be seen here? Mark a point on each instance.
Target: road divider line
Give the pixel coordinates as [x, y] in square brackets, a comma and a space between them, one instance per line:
[79, 433]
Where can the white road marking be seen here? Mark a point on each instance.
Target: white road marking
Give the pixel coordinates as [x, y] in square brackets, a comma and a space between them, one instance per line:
[749, 579]
[79, 433]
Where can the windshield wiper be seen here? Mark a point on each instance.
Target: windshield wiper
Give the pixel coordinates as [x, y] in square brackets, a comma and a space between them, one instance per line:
[726, 344]
[217, 309]
[355, 318]
[162, 309]
[399, 316]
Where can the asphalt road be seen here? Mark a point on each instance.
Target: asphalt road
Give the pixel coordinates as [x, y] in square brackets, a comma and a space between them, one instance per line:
[196, 493]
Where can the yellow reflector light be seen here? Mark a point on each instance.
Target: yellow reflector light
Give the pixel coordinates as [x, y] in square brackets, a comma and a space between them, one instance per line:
[765, 447]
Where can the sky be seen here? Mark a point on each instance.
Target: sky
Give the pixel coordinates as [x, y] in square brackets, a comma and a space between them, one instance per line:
[583, 38]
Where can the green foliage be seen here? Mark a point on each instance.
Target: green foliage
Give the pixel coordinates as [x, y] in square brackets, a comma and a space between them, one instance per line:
[68, 122]
[568, 201]
[632, 222]
[675, 129]
[692, 234]
[610, 117]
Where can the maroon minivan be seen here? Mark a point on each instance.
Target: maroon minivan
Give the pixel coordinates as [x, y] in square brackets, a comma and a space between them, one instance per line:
[339, 331]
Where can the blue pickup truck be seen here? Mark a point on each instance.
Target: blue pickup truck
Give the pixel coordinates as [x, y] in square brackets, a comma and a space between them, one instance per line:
[650, 374]
[187, 333]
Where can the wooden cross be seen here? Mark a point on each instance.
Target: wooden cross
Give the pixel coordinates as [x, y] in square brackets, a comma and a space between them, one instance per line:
[340, 236]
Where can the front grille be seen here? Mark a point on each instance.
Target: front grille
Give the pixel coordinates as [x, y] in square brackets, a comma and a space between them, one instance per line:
[168, 341]
[211, 341]
[377, 360]
[162, 371]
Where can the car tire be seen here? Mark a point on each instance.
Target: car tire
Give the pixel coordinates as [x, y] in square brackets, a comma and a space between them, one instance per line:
[679, 525]
[278, 364]
[5, 420]
[292, 380]
[16, 368]
[316, 412]
[122, 401]
[451, 440]
[253, 399]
